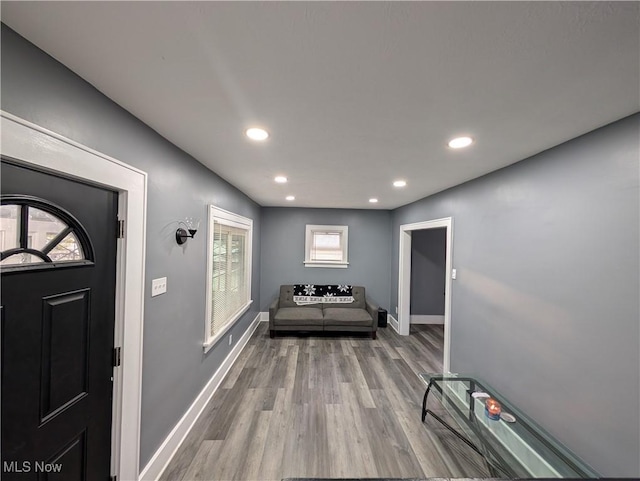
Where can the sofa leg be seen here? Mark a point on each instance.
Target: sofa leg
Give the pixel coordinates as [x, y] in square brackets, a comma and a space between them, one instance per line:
[373, 334]
[272, 333]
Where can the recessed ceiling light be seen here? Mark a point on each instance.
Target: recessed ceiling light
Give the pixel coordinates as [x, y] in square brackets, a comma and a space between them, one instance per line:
[460, 142]
[373, 200]
[257, 134]
[290, 197]
[281, 179]
[400, 183]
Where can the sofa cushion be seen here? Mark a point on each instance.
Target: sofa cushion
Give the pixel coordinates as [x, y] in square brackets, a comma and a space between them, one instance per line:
[298, 316]
[345, 316]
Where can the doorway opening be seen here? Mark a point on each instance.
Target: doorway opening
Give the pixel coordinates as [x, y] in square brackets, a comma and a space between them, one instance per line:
[404, 279]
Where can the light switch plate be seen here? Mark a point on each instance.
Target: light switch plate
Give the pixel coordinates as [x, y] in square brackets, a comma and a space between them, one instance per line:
[158, 286]
[453, 273]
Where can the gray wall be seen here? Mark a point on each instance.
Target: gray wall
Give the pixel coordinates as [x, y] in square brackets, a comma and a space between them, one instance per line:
[545, 305]
[428, 257]
[282, 243]
[41, 90]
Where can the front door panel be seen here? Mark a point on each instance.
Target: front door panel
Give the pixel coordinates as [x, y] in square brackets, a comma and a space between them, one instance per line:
[58, 304]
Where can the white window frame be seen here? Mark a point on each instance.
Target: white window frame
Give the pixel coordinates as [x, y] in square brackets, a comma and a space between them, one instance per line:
[217, 215]
[344, 246]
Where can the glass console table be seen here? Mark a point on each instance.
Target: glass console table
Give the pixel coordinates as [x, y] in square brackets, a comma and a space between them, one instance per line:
[516, 449]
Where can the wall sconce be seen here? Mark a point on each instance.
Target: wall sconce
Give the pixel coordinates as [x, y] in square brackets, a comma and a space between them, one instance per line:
[192, 227]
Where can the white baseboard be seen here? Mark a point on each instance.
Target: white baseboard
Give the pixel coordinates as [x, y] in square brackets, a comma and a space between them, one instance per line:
[393, 322]
[168, 448]
[424, 319]
[264, 317]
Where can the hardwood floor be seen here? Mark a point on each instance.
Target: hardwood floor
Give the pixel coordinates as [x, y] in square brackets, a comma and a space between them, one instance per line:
[325, 406]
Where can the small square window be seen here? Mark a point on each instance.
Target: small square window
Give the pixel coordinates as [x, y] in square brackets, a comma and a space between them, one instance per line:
[326, 246]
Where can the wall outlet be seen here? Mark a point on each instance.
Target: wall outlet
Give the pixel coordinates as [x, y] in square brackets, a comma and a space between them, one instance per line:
[230, 339]
[158, 286]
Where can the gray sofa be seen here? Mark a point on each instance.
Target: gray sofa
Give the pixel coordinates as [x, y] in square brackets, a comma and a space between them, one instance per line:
[361, 315]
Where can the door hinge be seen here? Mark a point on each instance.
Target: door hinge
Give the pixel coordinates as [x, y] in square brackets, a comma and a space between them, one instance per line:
[113, 478]
[120, 229]
[116, 356]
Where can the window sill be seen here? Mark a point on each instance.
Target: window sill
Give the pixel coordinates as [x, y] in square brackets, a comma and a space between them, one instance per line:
[334, 265]
[211, 342]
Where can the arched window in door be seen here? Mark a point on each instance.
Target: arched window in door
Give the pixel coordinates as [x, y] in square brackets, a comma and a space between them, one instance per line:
[35, 233]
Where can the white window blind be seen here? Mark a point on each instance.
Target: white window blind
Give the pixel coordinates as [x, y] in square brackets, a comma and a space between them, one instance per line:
[229, 273]
[326, 246]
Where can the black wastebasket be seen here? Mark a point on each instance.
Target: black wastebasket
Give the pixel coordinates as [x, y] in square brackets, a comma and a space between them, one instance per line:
[382, 317]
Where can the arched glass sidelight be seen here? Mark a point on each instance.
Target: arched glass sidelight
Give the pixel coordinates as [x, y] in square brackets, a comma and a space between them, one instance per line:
[37, 233]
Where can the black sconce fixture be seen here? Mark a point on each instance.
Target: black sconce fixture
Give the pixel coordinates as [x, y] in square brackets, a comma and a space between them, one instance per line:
[192, 227]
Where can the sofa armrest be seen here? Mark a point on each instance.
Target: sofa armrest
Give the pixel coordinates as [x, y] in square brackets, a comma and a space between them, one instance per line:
[273, 308]
[372, 309]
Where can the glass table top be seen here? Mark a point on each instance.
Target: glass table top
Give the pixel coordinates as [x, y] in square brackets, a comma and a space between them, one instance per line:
[512, 444]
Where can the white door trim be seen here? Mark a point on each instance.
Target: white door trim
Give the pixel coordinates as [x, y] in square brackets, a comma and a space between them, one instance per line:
[404, 280]
[31, 144]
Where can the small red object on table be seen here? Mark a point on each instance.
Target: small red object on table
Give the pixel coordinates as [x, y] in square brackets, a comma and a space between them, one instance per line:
[492, 408]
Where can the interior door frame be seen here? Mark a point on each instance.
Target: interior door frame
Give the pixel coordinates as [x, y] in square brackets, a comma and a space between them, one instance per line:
[32, 145]
[404, 281]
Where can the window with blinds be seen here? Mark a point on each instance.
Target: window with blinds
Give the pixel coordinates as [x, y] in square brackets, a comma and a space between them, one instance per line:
[228, 273]
[326, 246]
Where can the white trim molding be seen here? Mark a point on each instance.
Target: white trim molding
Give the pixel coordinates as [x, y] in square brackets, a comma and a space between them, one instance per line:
[331, 265]
[393, 322]
[426, 319]
[404, 280]
[159, 461]
[32, 145]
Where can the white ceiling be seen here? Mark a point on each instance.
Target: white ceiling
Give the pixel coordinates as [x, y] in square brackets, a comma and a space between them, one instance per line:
[355, 95]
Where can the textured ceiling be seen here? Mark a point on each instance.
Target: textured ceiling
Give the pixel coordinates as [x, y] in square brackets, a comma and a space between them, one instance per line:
[355, 95]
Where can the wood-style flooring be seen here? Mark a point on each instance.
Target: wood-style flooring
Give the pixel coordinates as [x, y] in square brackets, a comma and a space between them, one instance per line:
[325, 406]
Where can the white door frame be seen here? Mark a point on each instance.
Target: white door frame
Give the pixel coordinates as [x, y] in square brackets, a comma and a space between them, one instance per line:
[404, 281]
[33, 145]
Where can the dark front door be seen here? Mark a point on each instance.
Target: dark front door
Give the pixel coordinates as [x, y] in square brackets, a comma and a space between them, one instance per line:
[58, 249]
